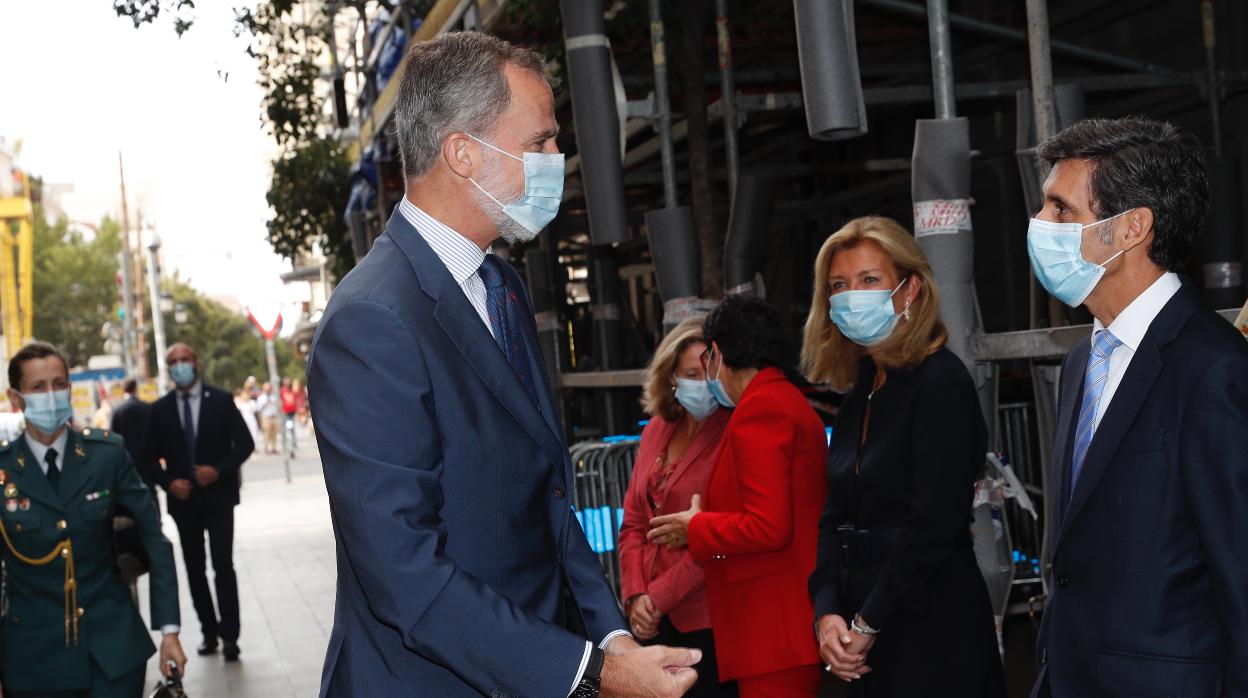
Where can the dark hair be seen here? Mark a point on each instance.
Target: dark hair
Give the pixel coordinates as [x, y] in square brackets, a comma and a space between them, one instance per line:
[1141, 163]
[34, 350]
[747, 331]
[131, 385]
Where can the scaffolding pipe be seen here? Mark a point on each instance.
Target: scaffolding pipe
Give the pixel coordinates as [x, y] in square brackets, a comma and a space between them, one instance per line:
[597, 121]
[997, 31]
[728, 92]
[662, 102]
[942, 57]
[1212, 81]
[1045, 108]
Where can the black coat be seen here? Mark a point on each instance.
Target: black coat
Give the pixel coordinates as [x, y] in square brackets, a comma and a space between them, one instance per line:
[1150, 553]
[131, 419]
[222, 441]
[925, 446]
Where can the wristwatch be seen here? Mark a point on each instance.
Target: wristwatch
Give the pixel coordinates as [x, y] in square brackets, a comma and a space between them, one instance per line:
[591, 680]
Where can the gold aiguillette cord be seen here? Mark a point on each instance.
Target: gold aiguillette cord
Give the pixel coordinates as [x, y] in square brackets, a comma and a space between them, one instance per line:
[64, 549]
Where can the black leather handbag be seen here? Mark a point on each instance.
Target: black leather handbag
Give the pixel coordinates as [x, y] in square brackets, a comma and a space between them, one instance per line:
[128, 551]
[170, 687]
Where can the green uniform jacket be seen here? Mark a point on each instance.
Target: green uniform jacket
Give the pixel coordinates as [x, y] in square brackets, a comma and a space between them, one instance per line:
[97, 477]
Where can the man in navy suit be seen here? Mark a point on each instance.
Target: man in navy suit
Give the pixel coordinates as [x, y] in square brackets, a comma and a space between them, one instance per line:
[131, 419]
[462, 570]
[202, 439]
[1149, 540]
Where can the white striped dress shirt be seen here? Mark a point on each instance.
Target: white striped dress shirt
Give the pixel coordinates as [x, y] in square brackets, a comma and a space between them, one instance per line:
[461, 256]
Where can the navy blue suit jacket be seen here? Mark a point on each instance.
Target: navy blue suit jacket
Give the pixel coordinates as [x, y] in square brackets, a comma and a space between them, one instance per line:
[448, 489]
[1150, 560]
[222, 440]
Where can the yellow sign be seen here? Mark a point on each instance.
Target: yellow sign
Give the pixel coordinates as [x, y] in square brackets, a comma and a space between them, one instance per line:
[148, 391]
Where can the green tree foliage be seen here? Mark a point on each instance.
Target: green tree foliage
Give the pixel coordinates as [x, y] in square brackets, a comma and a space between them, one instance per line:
[75, 285]
[308, 181]
[229, 347]
[309, 188]
[144, 11]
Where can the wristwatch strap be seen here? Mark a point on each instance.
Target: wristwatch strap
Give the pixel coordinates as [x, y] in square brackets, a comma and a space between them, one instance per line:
[591, 680]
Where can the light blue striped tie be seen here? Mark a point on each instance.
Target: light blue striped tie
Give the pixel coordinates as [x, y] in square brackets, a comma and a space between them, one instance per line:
[1103, 344]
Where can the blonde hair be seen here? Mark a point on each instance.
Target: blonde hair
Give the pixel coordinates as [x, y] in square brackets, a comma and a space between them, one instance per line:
[827, 355]
[657, 397]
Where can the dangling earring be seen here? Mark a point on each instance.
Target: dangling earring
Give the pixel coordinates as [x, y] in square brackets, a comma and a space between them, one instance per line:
[906, 312]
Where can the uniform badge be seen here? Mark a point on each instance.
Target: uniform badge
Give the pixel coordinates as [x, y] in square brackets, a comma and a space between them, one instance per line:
[21, 461]
[79, 452]
[24, 504]
[4, 477]
[10, 490]
[10, 506]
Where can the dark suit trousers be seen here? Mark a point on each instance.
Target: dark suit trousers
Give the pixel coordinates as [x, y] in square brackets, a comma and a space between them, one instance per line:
[193, 522]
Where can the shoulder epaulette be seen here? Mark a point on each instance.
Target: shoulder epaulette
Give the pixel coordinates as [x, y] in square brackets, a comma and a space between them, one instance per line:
[102, 435]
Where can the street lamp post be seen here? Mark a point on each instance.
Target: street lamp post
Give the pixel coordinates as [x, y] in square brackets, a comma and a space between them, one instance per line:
[158, 320]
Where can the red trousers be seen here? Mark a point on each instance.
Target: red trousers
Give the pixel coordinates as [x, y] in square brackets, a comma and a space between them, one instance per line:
[791, 683]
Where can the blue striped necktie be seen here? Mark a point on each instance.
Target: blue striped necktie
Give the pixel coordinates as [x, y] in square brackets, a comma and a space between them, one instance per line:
[1103, 345]
[501, 304]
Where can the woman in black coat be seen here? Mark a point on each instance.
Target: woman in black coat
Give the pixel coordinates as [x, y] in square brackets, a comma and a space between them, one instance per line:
[900, 606]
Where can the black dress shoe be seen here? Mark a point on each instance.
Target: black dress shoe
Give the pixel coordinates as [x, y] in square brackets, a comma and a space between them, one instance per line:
[208, 647]
[231, 651]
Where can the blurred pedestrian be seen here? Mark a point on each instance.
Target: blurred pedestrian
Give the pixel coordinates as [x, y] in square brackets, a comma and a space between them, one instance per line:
[290, 408]
[247, 408]
[71, 627]
[268, 410]
[755, 535]
[664, 590]
[900, 605]
[202, 439]
[302, 415]
[131, 420]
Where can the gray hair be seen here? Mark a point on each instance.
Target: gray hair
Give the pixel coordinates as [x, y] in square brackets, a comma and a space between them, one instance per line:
[454, 83]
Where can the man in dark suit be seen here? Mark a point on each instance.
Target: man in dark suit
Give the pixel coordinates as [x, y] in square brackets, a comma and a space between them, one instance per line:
[203, 441]
[1148, 532]
[131, 419]
[462, 570]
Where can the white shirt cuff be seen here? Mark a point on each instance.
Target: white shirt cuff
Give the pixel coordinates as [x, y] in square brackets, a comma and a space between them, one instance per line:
[611, 636]
[576, 680]
[589, 649]
[170, 629]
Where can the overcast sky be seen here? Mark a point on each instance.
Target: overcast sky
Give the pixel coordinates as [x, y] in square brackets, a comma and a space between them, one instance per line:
[78, 84]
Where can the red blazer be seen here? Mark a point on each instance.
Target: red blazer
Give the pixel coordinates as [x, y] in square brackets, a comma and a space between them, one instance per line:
[675, 583]
[757, 537]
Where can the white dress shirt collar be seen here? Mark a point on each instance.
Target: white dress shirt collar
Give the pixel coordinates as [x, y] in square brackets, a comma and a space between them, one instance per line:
[461, 256]
[39, 451]
[1133, 322]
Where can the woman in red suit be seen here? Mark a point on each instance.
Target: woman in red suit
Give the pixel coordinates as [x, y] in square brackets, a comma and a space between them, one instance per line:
[664, 590]
[757, 534]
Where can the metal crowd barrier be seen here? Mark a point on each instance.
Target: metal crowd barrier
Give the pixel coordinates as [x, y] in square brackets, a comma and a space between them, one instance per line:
[603, 469]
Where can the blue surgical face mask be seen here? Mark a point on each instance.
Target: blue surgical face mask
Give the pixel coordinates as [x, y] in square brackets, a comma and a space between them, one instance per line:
[47, 411]
[864, 317]
[183, 374]
[696, 398]
[543, 189]
[1057, 259]
[716, 387]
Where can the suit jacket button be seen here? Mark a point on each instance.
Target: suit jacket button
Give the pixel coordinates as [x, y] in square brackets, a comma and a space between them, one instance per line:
[61, 525]
[559, 493]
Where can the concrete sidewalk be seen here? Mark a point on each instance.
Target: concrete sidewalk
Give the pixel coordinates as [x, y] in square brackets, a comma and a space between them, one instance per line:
[284, 558]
